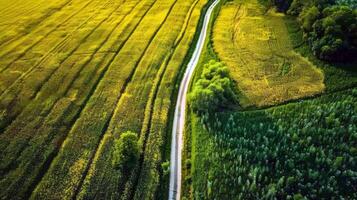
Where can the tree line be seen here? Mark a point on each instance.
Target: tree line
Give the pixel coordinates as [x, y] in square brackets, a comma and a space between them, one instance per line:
[329, 26]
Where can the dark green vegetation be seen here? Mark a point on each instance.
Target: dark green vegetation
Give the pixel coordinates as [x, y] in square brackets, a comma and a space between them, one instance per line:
[330, 26]
[127, 151]
[306, 149]
[303, 149]
[214, 89]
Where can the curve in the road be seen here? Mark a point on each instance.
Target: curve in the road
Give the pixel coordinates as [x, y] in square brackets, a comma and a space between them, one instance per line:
[179, 115]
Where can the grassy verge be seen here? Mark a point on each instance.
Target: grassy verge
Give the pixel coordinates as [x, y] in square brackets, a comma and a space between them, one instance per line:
[188, 151]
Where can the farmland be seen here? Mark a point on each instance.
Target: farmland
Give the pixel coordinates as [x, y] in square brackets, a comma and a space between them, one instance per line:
[93, 92]
[76, 74]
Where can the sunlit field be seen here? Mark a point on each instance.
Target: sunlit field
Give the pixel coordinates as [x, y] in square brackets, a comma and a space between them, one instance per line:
[257, 97]
[74, 75]
[255, 44]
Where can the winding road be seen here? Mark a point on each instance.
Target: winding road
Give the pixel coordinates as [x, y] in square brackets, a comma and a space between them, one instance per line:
[179, 115]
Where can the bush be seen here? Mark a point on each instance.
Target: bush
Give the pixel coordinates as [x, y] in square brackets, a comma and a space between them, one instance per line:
[127, 151]
[165, 166]
[214, 89]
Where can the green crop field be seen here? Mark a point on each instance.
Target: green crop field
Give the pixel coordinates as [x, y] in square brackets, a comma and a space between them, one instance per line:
[74, 75]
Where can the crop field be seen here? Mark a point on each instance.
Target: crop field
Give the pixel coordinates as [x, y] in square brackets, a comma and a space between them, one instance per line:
[74, 75]
[254, 43]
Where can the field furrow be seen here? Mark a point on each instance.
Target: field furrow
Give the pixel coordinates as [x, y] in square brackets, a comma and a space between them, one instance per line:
[74, 75]
[63, 108]
[135, 95]
[26, 87]
[74, 155]
[18, 24]
[67, 17]
[71, 72]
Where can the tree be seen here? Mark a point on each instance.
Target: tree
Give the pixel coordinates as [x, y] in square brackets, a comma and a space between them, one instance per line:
[308, 17]
[213, 90]
[329, 26]
[334, 36]
[126, 152]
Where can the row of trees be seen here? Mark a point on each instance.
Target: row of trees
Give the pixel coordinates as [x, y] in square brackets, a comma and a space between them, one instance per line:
[329, 26]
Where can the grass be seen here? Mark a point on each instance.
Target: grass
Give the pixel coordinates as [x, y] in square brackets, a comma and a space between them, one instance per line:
[257, 49]
[79, 78]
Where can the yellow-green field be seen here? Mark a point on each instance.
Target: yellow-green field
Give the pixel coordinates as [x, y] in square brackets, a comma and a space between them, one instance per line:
[255, 45]
[74, 74]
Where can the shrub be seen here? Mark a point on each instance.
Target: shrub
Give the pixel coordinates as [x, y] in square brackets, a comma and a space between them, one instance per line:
[165, 166]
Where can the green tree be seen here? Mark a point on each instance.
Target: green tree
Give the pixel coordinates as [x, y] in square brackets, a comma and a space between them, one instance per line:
[308, 17]
[214, 89]
[334, 36]
[126, 152]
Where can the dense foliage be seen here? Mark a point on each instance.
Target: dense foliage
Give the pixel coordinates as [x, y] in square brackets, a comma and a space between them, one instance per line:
[301, 150]
[127, 151]
[214, 89]
[330, 26]
[331, 33]
[350, 3]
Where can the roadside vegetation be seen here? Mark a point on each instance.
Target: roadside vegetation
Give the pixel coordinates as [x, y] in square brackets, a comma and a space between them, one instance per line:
[214, 90]
[78, 79]
[300, 149]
